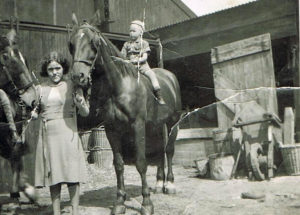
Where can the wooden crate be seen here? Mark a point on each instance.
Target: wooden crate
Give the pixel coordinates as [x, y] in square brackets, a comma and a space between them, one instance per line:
[193, 144]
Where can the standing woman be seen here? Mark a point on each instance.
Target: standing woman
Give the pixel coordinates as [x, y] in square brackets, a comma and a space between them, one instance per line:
[59, 154]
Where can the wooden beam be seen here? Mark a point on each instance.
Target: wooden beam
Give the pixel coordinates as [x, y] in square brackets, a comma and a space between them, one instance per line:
[297, 82]
[241, 16]
[53, 28]
[199, 35]
[234, 50]
[278, 28]
[54, 13]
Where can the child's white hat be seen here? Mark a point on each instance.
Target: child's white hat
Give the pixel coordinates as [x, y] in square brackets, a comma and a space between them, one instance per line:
[139, 23]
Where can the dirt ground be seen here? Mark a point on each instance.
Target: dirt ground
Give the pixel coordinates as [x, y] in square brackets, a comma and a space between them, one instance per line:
[194, 195]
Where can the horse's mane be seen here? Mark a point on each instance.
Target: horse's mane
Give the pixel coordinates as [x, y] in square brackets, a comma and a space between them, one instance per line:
[121, 66]
[107, 50]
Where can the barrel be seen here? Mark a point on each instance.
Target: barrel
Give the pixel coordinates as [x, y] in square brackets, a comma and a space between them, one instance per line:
[99, 139]
[101, 153]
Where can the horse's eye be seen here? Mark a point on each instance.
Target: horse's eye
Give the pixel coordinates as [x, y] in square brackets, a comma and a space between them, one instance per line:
[5, 57]
[71, 48]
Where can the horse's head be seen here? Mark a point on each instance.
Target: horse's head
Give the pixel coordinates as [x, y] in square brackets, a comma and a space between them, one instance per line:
[15, 77]
[83, 44]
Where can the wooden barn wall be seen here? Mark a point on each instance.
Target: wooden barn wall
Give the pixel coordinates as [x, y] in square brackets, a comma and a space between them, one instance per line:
[45, 11]
[36, 44]
[158, 13]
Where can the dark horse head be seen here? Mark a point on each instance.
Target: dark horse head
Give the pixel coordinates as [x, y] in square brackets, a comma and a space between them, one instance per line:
[85, 44]
[15, 78]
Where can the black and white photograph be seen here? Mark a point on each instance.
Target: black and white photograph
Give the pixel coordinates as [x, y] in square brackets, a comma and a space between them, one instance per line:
[151, 107]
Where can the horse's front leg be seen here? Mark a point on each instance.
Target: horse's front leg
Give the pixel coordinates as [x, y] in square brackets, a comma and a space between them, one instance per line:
[16, 166]
[20, 181]
[115, 142]
[141, 164]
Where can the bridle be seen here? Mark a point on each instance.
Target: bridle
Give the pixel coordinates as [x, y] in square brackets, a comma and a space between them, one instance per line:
[95, 41]
[14, 88]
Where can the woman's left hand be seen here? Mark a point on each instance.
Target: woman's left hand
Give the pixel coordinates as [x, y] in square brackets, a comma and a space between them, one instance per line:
[80, 102]
[78, 99]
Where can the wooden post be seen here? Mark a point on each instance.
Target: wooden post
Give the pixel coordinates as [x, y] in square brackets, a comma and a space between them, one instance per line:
[297, 82]
[288, 126]
[15, 8]
[103, 7]
[159, 54]
[54, 13]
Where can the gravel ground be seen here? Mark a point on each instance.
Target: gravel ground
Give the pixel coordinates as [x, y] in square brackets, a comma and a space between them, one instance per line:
[194, 195]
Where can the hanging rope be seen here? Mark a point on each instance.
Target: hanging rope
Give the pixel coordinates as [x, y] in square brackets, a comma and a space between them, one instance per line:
[140, 54]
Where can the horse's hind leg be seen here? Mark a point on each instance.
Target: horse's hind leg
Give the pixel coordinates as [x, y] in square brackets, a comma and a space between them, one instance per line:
[160, 176]
[170, 187]
[161, 139]
[141, 165]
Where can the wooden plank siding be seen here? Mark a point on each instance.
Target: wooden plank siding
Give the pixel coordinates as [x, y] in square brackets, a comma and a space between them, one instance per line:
[157, 13]
[42, 11]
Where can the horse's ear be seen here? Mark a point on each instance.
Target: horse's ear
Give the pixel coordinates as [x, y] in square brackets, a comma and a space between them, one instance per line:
[96, 19]
[12, 36]
[74, 19]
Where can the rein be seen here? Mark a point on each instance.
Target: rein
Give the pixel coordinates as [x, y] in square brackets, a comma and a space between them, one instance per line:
[17, 91]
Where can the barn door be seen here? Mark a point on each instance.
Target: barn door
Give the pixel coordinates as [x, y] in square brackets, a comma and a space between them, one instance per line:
[243, 72]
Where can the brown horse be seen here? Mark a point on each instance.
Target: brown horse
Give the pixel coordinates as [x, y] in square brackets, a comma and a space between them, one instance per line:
[18, 94]
[136, 124]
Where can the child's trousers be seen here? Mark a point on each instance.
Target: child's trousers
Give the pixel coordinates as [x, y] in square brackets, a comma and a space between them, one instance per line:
[147, 71]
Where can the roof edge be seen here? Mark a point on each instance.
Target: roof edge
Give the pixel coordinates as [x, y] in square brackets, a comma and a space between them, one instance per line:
[204, 15]
[184, 8]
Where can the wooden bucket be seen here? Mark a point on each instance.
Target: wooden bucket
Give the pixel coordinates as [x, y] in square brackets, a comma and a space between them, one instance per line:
[85, 137]
[101, 153]
[222, 141]
[102, 158]
[99, 139]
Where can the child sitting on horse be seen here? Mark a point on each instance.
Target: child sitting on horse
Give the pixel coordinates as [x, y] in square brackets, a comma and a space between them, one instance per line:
[136, 51]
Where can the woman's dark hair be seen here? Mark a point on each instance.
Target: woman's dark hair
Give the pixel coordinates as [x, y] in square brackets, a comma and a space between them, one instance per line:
[54, 56]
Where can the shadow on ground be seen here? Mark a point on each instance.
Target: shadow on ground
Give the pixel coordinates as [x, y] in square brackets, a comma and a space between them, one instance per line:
[106, 196]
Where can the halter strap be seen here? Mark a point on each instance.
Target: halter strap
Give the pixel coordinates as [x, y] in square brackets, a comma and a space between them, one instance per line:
[15, 88]
[87, 62]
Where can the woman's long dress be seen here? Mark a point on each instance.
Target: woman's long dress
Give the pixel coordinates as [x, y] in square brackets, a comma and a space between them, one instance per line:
[59, 153]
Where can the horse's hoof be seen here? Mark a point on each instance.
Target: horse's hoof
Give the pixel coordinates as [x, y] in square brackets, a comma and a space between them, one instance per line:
[30, 192]
[15, 195]
[118, 209]
[170, 188]
[159, 187]
[147, 209]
